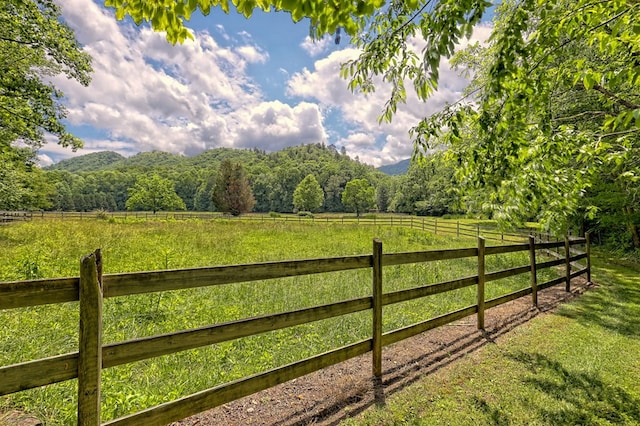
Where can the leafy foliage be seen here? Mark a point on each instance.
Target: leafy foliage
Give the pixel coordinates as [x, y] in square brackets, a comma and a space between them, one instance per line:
[232, 192]
[153, 193]
[34, 45]
[23, 186]
[88, 162]
[359, 196]
[557, 92]
[273, 177]
[427, 189]
[325, 16]
[308, 195]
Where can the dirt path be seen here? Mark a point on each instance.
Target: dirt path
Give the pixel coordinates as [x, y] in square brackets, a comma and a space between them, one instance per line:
[344, 390]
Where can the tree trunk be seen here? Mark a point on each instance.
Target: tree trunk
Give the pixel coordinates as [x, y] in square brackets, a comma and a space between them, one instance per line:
[635, 235]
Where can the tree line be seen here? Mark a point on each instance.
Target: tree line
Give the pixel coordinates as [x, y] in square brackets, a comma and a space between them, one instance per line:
[306, 178]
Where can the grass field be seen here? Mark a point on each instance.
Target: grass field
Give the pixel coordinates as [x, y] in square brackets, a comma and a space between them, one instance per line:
[578, 366]
[52, 248]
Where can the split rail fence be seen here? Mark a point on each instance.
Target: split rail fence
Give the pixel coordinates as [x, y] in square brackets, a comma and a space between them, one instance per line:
[92, 286]
[431, 224]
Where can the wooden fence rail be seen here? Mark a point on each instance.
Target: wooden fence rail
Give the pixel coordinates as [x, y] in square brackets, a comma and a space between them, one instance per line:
[92, 286]
[435, 225]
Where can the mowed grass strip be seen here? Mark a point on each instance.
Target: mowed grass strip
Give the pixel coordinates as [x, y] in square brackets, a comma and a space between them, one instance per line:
[577, 366]
[43, 249]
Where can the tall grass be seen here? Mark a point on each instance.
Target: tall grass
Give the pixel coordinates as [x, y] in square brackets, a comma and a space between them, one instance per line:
[53, 248]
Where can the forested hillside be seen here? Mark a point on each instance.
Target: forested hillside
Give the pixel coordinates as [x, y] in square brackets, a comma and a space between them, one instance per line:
[106, 180]
[88, 162]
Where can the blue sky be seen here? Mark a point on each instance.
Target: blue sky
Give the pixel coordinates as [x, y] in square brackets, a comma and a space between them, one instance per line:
[241, 83]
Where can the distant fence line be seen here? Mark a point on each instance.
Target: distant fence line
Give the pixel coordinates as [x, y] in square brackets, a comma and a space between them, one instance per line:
[90, 287]
[435, 225]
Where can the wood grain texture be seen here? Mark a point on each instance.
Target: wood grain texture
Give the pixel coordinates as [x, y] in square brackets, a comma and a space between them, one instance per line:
[204, 400]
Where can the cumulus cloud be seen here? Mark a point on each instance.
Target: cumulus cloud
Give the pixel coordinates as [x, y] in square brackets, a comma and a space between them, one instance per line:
[147, 94]
[315, 47]
[372, 142]
[252, 54]
[277, 125]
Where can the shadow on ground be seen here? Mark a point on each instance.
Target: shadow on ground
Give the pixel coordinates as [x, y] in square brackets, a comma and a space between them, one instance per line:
[446, 348]
[613, 307]
[581, 397]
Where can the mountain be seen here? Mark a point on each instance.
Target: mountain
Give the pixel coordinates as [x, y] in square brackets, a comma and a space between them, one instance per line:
[399, 168]
[102, 181]
[88, 162]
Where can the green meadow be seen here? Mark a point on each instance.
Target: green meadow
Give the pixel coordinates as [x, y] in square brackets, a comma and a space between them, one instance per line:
[53, 248]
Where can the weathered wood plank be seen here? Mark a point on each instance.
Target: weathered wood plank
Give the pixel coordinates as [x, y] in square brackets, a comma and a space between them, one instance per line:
[507, 297]
[149, 347]
[481, 281]
[428, 290]
[534, 271]
[578, 273]
[33, 374]
[577, 241]
[505, 249]
[549, 245]
[578, 257]
[567, 255]
[404, 333]
[506, 273]
[588, 253]
[550, 264]
[377, 309]
[147, 282]
[90, 340]
[18, 294]
[427, 256]
[210, 398]
[551, 283]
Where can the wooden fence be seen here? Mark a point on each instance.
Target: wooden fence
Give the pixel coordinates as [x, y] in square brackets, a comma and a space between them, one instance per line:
[431, 224]
[92, 286]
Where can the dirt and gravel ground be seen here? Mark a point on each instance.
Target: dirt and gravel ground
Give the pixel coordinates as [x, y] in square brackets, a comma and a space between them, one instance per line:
[344, 390]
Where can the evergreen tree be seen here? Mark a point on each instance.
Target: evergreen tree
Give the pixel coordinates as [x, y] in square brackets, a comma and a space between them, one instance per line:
[232, 192]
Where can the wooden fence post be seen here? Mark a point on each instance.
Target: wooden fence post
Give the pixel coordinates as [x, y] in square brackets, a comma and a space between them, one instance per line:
[481, 271]
[435, 226]
[534, 277]
[458, 229]
[567, 262]
[90, 342]
[377, 308]
[587, 237]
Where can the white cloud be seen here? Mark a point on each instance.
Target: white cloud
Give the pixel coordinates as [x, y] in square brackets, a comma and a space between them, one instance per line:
[278, 125]
[361, 112]
[147, 94]
[252, 54]
[315, 47]
[51, 150]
